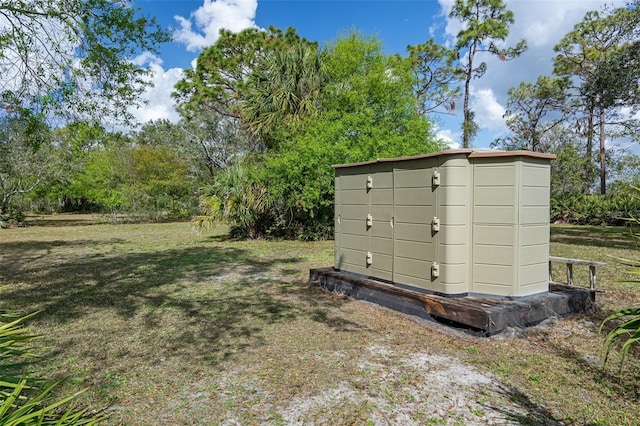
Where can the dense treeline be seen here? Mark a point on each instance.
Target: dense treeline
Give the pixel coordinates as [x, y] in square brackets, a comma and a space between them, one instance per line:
[264, 115]
[254, 148]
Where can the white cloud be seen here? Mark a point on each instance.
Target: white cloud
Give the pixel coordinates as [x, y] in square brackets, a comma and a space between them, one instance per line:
[449, 138]
[211, 17]
[543, 24]
[159, 104]
[487, 109]
[201, 29]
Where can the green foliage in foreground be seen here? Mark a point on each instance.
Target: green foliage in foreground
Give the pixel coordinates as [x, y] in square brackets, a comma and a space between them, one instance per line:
[22, 400]
[629, 329]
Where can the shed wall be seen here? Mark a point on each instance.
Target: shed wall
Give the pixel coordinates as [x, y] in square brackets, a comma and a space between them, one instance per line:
[351, 232]
[533, 244]
[493, 235]
[495, 218]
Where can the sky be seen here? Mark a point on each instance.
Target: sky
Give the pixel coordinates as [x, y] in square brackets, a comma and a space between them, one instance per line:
[396, 23]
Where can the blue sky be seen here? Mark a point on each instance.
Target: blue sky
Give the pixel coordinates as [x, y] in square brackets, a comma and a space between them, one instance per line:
[396, 23]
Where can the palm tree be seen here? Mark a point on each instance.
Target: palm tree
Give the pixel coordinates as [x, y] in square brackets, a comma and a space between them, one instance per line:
[284, 89]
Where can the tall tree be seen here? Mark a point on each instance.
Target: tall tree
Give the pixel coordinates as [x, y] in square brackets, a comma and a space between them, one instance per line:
[600, 55]
[365, 110]
[284, 89]
[26, 158]
[74, 144]
[566, 169]
[206, 141]
[368, 111]
[532, 111]
[219, 78]
[73, 57]
[436, 77]
[214, 142]
[484, 22]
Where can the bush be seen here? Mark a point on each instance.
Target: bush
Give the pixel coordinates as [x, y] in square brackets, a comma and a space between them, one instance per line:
[629, 328]
[581, 209]
[11, 217]
[239, 199]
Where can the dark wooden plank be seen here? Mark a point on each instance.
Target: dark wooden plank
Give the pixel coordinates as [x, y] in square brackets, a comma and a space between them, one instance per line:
[487, 314]
[458, 310]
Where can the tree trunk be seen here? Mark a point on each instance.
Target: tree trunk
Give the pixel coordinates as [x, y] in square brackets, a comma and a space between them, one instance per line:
[465, 124]
[603, 158]
[466, 136]
[588, 175]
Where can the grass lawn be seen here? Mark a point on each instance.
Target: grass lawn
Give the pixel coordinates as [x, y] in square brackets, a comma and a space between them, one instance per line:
[165, 326]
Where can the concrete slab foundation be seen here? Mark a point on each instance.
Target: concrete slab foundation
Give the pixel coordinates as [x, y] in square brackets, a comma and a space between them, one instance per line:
[483, 315]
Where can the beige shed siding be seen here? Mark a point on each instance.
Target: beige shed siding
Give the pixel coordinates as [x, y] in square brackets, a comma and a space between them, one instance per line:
[352, 212]
[336, 224]
[493, 209]
[454, 246]
[511, 226]
[381, 231]
[533, 273]
[414, 208]
[494, 218]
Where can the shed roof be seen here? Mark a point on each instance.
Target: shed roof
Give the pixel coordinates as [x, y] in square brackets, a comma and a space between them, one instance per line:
[470, 152]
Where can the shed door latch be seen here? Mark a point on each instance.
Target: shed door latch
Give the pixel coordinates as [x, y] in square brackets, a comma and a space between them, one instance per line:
[369, 182]
[435, 224]
[435, 270]
[369, 220]
[435, 180]
[369, 258]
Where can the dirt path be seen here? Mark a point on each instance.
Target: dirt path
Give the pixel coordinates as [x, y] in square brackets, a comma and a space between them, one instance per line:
[441, 389]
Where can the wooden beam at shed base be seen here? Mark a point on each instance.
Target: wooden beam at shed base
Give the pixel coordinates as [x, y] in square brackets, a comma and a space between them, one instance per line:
[488, 316]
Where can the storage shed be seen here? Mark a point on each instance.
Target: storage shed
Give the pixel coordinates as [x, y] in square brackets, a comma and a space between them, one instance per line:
[456, 222]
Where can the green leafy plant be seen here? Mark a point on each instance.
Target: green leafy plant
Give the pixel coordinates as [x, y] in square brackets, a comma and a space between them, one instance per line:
[629, 329]
[581, 209]
[22, 399]
[239, 200]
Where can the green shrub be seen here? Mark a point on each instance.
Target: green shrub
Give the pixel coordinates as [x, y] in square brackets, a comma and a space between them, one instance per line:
[629, 329]
[239, 199]
[581, 209]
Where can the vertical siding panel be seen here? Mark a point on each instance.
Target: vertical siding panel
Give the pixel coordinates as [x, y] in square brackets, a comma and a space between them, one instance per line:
[495, 215]
[533, 246]
[454, 201]
[414, 208]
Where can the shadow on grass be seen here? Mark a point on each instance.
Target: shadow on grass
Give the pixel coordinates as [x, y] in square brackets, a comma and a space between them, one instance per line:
[534, 414]
[204, 301]
[594, 236]
[125, 282]
[15, 251]
[63, 220]
[625, 387]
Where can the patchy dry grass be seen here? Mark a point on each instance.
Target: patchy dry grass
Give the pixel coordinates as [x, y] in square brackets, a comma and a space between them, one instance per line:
[164, 326]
